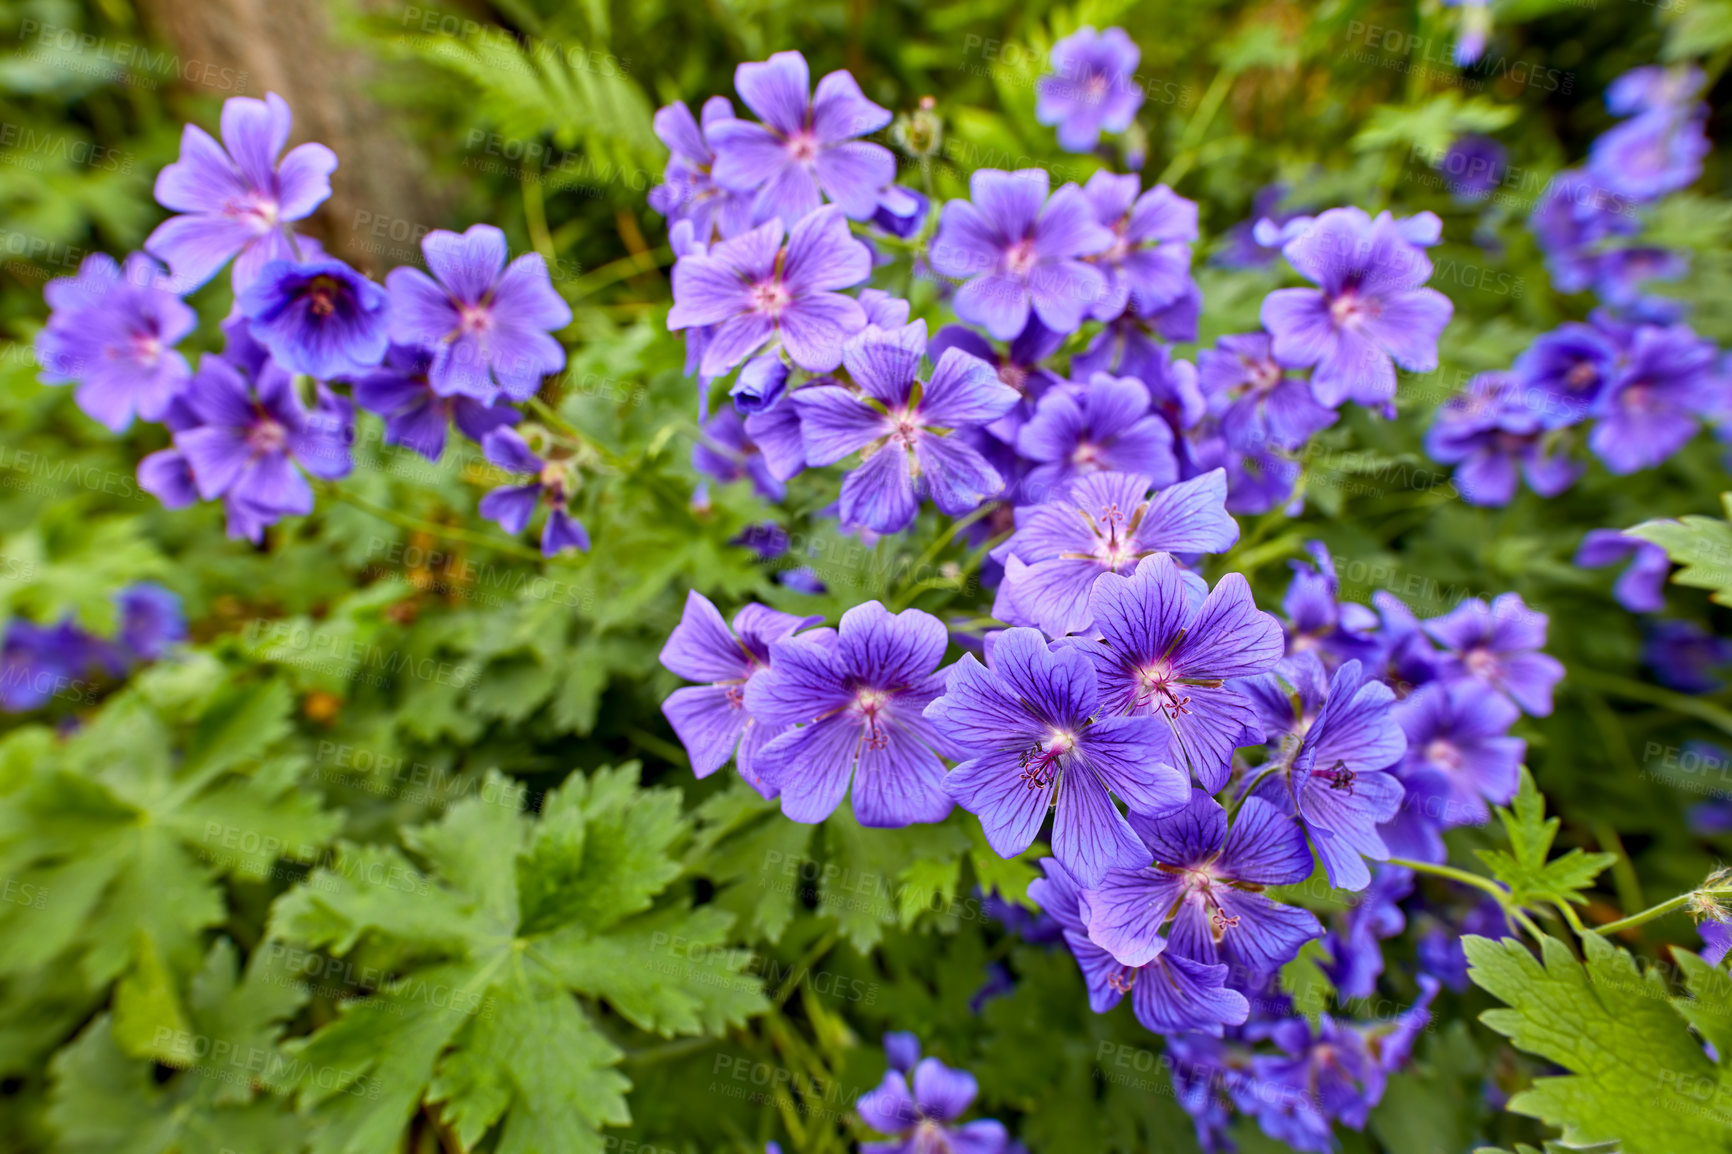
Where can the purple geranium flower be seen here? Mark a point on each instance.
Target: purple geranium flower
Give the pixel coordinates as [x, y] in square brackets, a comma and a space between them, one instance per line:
[1498, 644]
[1330, 771]
[711, 720]
[1493, 435]
[238, 200]
[1317, 618]
[688, 190]
[1368, 314]
[1640, 588]
[1171, 994]
[487, 323]
[1203, 896]
[1148, 264]
[1029, 722]
[1565, 371]
[1164, 655]
[1653, 154]
[1258, 403]
[1651, 408]
[924, 1121]
[1019, 367]
[858, 707]
[511, 506]
[1321, 1074]
[1105, 426]
[416, 416]
[112, 331]
[1459, 752]
[1574, 215]
[1092, 87]
[321, 318]
[752, 289]
[1105, 524]
[243, 440]
[905, 427]
[1019, 251]
[901, 211]
[806, 148]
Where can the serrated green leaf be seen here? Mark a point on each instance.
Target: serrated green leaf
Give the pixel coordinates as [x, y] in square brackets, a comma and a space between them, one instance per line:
[1701, 545]
[1635, 1069]
[1524, 869]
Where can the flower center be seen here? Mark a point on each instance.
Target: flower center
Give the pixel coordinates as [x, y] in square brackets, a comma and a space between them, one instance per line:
[474, 320]
[1086, 455]
[1019, 258]
[267, 436]
[321, 294]
[1339, 777]
[803, 147]
[870, 703]
[1350, 310]
[770, 297]
[1013, 375]
[1095, 88]
[1581, 375]
[1264, 375]
[258, 210]
[1482, 662]
[1443, 753]
[146, 349]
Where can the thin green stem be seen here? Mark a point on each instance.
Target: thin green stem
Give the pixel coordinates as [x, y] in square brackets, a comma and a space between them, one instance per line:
[825, 945]
[416, 524]
[1454, 875]
[1670, 905]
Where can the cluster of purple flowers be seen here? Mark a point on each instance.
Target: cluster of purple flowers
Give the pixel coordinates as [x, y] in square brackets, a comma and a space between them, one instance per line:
[766, 267]
[918, 1104]
[39, 664]
[256, 420]
[1643, 382]
[1188, 750]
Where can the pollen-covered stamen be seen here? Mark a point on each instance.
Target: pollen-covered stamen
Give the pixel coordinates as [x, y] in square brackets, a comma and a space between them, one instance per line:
[1019, 258]
[259, 211]
[1339, 777]
[908, 427]
[146, 349]
[1123, 979]
[1581, 375]
[736, 695]
[1040, 765]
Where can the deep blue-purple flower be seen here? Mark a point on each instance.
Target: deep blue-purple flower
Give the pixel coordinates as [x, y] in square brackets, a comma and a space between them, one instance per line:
[416, 416]
[1640, 588]
[1030, 724]
[1259, 404]
[1105, 426]
[1368, 313]
[1163, 654]
[321, 318]
[1019, 252]
[1148, 264]
[711, 720]
[924, 1120]
[857, 708]
[905, 427]
[1498, 644]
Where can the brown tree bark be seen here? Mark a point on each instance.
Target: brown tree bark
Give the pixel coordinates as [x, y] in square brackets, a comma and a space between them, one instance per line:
[288, 47]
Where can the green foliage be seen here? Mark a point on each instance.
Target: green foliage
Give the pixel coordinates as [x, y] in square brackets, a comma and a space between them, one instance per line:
[490, 928]
[1637, 1076]
[1524, 868]
[1702, 545]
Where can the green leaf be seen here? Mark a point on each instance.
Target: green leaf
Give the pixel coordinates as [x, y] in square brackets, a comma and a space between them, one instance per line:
[1637, 1076]
[495, 921]
[858, 886]
[1524, 869]
[1702, 545]
[102, 1101]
